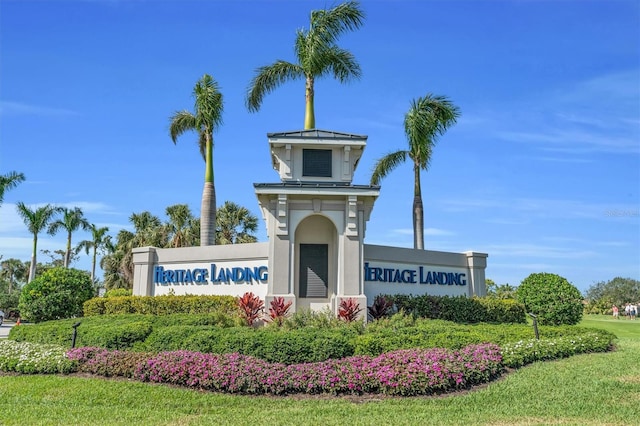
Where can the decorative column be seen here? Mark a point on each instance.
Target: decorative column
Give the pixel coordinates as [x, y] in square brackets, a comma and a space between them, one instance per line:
[476, 263]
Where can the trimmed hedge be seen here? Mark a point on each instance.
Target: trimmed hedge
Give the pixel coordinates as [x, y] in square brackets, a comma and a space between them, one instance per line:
[115, 331]
[269, 344]
[461, 309]
[160, 305]
[212, 334]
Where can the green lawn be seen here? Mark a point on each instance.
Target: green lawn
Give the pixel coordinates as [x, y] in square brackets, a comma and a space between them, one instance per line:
[594, 389]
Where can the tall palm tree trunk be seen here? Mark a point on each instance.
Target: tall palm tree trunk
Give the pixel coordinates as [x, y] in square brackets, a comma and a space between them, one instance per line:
[208, 207]
[207, 212]
[418, 212]
[309, 113]
[67, 254]
[93, 264]
[32, 267]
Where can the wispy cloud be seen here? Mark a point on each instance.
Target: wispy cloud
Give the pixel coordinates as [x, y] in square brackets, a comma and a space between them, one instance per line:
[538, 250]
[11, 222]
[577, 141]
[591, 116]
[18, 108]
[16, 247]
[523, 209]
[89, 207]
[561, 159]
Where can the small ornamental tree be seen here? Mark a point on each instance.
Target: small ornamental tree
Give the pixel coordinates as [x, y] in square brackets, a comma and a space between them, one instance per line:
[551, 298]
[56, 294]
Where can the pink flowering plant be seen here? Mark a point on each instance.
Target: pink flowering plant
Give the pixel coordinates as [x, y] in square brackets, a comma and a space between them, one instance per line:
[108, 363]
[402, 372]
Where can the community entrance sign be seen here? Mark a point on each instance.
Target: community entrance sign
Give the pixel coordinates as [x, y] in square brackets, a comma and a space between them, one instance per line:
[316, 256]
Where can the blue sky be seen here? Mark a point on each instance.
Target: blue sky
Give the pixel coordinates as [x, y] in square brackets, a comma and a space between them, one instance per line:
[542, 170]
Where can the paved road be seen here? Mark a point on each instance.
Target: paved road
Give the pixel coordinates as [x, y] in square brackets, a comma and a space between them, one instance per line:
[4, 329]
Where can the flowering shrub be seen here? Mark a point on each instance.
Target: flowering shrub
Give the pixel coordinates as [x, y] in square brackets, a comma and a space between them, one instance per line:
[400, 372]
[107, 363]
[525, 352]
[405, 372]
[33, 358]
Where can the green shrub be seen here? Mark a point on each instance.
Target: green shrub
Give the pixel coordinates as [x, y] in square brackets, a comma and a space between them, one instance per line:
[502, 311]
[524, 352]
[114, 336]
[117, 292]
[270, 344]
[599, 307]
[161, 305]
[221, 334]
[219, 319]
[377, 343]
[460, 309]
[116, 331]
[113, 333]
[94, 306]
[324, 320]
[177, 337]
[9, 304]
[551, 298]
[48, 332]
[57, 293]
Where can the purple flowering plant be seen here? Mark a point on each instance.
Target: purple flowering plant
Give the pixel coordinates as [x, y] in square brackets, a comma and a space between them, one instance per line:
[401, 372]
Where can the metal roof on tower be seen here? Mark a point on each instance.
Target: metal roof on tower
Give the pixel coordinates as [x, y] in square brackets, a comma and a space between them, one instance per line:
[315, 134]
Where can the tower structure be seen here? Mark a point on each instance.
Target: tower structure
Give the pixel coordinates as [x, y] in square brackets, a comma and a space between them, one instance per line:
[316, 219]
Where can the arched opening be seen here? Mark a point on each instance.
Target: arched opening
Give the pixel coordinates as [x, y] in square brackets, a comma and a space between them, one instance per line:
[315, 262]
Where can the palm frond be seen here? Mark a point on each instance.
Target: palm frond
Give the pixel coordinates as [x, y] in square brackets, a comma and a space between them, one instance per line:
[329, 24]
[386, 164]
[208, 104]
[181, 121]
[38, 219]
[342, 64]
[268, 78]
[9, 181]
[427, 119]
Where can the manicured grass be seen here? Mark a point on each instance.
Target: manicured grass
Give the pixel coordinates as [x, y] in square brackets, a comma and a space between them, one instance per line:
[591, 389]
[622, 327]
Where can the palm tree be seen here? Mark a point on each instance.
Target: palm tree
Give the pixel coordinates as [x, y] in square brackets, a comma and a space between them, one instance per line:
[36, 220]
[99, 241]
[9, 181]
[179, 220]
[192, 232]
[72, 220]
[428, 118]
[206, 118]
[235, 224]
[14, 271]
[112, 263]
[317, 55]
[148, 231]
